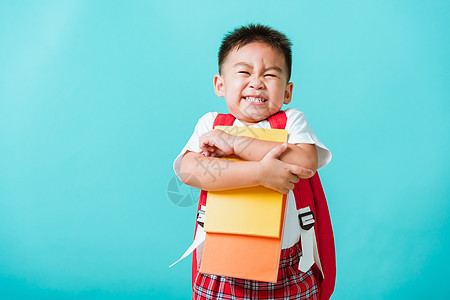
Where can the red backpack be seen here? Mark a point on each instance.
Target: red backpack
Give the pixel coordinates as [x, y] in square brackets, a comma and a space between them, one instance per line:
[307, 192]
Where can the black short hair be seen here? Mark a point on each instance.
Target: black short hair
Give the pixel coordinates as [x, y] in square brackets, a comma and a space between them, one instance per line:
[244, 35]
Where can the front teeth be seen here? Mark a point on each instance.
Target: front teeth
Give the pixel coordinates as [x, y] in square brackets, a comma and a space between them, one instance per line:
[252, 99]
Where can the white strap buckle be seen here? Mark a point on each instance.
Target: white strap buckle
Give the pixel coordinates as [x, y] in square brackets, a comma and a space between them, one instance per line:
[201, 216]
[306, 217]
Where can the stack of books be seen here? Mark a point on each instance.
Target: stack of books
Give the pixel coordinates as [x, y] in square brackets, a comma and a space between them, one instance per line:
[244, 226]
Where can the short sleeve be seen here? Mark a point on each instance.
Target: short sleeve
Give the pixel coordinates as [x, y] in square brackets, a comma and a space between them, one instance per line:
[300, 132]
[204, 125]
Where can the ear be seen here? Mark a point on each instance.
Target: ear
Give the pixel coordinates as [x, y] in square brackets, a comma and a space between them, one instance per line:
[219, 87]
[288, 93]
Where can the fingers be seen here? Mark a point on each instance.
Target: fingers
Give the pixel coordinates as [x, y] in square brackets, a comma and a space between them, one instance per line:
[219, 153]
[277, 151]
[284, 191]
[289, 187]
[207, 150]
[301, 172]
[212, 151]
[293, 178]
[216, 145]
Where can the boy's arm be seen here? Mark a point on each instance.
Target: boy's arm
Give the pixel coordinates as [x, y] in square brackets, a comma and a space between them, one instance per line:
[212, 173]
[302, 155]
[220, 143]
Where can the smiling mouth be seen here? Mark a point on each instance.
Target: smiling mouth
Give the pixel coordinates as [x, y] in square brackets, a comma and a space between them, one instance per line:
[255, 100]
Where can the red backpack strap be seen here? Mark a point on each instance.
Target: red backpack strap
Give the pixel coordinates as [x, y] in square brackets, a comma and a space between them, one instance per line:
[309, 192]
[325, 240]
[224, 120]
[278, 120]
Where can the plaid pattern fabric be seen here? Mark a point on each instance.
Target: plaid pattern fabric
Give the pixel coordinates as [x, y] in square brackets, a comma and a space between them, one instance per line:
[292, 283]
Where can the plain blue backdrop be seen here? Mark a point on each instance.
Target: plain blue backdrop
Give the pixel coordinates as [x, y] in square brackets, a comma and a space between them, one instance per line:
[98, 97]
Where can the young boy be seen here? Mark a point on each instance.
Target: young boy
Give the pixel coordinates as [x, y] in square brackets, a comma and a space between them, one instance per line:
[254, 73]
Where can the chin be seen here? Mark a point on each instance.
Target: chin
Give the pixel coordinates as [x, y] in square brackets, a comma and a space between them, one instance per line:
[253, 120]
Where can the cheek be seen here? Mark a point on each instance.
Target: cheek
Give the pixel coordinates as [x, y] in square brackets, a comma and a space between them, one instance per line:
[277, 96]
[236, 89]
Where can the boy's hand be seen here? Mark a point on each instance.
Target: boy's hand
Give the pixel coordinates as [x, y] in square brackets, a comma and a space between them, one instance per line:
[217, 143]
[277, 175]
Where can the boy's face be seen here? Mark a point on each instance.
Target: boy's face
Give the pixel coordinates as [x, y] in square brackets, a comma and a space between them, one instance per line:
[254, 82]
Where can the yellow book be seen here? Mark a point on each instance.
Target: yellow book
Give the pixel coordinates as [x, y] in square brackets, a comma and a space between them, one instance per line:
[274, 135]
[255, 211]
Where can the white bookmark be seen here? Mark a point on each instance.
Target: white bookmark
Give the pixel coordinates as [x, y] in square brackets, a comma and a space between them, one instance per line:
[198, 240]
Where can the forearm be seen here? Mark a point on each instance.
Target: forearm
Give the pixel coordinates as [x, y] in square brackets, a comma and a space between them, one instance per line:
[214, 174]
[251, 149]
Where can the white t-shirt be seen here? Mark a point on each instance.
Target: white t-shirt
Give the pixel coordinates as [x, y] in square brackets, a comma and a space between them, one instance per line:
[298, 132]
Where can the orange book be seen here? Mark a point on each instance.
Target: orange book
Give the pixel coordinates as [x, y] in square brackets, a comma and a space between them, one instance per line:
[243, 256]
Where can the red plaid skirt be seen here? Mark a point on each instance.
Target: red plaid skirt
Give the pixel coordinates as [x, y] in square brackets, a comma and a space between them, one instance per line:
[291, 284]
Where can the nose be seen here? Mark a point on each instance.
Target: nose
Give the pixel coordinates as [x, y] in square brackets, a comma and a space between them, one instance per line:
[256, 83]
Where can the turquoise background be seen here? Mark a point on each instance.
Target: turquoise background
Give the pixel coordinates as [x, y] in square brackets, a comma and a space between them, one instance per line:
[98, 97]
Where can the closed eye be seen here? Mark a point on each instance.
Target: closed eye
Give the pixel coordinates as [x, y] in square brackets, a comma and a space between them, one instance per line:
[244, 72]
[270, 75]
